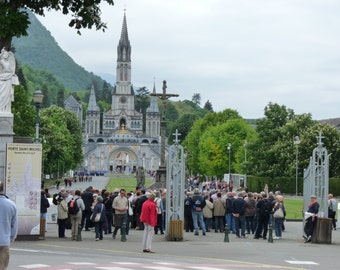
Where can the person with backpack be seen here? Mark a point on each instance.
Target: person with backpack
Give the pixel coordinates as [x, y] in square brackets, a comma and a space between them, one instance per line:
[62, 215]
[76, 207]
[197, 205]
[264, 208]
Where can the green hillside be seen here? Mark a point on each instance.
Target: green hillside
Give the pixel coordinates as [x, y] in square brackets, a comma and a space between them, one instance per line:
[40, 50]
[45, 64]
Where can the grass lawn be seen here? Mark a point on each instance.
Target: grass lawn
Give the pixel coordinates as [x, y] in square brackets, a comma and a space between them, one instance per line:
[128, 183]
[293, 208]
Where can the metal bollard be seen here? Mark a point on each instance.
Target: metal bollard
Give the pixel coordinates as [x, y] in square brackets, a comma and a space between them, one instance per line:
[226, 234]
[123, 232]
[79, 233]
[42, 229]
[270, 237]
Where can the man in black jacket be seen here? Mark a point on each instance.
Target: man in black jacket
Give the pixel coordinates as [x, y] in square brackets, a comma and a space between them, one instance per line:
[264, 209]
[87, 197]
[239, 207]
[188, 222]
[139, 203]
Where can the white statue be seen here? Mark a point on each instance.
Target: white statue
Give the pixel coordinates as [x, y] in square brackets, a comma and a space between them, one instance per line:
[7, 81]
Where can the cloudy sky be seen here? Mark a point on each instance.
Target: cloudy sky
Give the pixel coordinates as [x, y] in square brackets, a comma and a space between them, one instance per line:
[238, 54]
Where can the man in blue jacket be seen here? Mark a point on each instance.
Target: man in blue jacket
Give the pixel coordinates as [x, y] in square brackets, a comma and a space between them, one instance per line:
[8, 226]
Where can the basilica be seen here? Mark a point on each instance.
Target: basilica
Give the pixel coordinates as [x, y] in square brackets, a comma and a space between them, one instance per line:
[121, 145]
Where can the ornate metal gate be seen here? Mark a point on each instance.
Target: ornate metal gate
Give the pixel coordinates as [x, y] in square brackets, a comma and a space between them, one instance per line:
[316, 178]
[175, 178]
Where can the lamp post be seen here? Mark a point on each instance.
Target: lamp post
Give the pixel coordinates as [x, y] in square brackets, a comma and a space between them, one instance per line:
[37, 99]
[296, 143]
[245, 151]
[229, 148]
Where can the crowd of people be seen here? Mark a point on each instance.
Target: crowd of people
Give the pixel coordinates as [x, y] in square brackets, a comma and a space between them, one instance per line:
[243, 212]
[115, 211]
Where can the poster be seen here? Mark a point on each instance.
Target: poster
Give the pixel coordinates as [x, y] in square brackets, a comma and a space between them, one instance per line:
[23, 184]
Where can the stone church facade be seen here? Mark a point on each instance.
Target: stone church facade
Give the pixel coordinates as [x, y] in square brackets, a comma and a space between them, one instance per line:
[121, 145]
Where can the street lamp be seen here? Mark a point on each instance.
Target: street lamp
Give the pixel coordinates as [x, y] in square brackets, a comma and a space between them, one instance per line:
[245, 151]
[37, 99]
[296, 143]
[229, 148]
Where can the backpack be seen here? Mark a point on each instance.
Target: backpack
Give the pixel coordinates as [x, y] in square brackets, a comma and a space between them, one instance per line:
[55, 198]
[266, 208]
[73, 207]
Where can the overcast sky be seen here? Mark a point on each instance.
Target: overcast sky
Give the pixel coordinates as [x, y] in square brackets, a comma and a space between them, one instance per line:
[238, 54]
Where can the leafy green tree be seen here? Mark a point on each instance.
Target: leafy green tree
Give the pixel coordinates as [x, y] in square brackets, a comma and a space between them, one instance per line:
[201, 126]
[46, 102]
[61, 98]
[196, 98]
[37, 78]
[171, 116]
[142, 101]
[273, 154]
[24, 113]
[183, 126]
[261, 152]
[106, 93]
[22, 78]
[62, 132]
[208, 106]
[214, 157]
[14, 18]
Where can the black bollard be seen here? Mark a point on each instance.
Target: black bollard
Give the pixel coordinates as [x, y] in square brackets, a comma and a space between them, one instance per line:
[79, 233]
[123, 232]
[270, 237]
[226, 234]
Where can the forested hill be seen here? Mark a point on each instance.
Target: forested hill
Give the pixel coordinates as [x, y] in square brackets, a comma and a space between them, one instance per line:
[40, 50]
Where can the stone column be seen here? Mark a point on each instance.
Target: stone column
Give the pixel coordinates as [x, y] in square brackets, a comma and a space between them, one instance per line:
[6, 136]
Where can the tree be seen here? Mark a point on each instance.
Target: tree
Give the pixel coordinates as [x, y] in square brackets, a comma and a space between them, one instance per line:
[192, 140]
[106, 93]
[62, 132]
[61, 98]
[24, 113]
[46, 102]
[14, 17]
[208, 106]
[214, 158]
[142, 102]
[196, 98]
[261, 152]
[183, 126]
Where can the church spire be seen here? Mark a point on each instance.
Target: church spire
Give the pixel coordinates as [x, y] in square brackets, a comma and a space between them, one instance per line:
[92, 107]
[153, 103]
[124, 48]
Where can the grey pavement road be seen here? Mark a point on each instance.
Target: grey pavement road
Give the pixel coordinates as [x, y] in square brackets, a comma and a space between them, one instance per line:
[210, 252]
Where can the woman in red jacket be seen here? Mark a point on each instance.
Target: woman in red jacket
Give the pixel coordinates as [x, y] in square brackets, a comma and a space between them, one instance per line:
[149, 218]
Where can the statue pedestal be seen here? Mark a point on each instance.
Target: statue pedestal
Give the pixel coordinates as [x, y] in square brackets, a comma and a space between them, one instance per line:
[6, 136]
[161, 174]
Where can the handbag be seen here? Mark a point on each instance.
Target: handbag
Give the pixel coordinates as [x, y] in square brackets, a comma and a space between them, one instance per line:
[98, 215]
[130, 209]
[278, 213]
